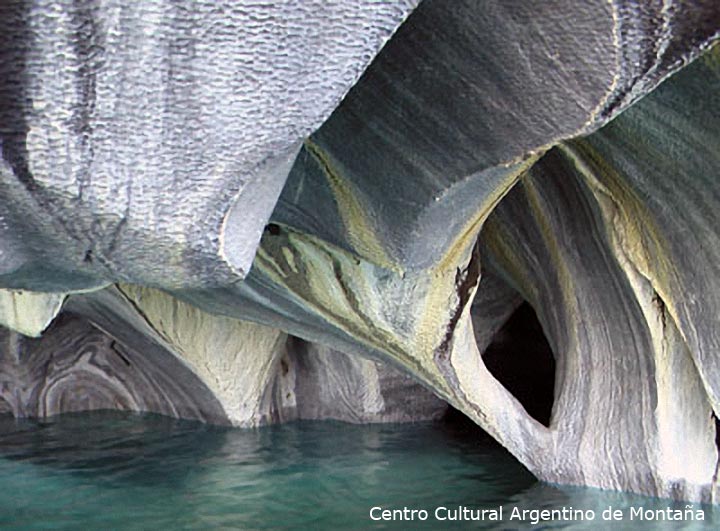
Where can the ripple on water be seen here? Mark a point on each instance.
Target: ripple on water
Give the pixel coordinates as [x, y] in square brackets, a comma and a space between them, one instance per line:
[126, 471]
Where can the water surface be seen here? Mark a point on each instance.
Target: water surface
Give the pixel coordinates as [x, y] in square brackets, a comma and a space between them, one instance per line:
[127, 471]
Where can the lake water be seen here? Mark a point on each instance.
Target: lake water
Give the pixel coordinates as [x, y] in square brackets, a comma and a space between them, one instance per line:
[126, 471]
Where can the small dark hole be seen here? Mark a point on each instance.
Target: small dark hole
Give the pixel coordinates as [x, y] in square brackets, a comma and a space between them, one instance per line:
[116, 350]
[88, 256]
[273, 229]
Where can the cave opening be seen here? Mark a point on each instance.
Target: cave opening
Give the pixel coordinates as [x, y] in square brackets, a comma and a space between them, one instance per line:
[521, 359]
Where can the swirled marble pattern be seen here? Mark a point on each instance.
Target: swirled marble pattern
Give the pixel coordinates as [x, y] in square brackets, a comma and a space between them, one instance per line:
[76, 367]
[225, 175]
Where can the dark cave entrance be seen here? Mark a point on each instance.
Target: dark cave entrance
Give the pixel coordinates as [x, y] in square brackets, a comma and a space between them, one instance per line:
[521, 359]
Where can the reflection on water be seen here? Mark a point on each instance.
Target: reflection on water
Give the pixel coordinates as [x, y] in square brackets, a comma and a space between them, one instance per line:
[125, 471]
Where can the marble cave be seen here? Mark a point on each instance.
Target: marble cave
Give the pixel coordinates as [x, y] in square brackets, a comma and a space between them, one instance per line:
[248, 213]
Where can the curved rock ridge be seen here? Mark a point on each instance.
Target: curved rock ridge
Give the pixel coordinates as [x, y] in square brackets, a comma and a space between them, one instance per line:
[606, 316]
[168, 129]
[464, 91]
[655, 39]
[492, 152]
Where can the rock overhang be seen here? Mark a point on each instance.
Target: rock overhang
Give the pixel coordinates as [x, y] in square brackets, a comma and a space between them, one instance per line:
[472, 121]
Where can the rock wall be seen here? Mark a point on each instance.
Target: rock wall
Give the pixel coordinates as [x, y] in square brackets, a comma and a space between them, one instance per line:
[139, 349]
[634, 202]
[194, 178]
[76, 367]
[333, 385]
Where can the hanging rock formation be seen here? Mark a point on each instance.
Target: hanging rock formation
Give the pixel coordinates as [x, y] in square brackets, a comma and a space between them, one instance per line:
[149, 141]
[189, 174]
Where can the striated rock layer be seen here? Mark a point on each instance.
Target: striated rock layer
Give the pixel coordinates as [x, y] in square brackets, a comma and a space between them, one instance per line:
[186, 179]
[146, 351]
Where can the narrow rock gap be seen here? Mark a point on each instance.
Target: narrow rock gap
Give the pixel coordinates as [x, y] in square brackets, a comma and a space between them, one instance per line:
[717, 445]
[521, 359]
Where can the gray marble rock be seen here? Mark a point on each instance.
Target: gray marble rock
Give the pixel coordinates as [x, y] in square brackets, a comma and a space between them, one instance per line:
[149, 141]
[76, 367]
[228, 173]
[329, 384]
[614, 241]
[138, 349]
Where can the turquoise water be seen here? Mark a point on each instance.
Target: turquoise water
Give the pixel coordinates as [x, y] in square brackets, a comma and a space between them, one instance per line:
[125, 471]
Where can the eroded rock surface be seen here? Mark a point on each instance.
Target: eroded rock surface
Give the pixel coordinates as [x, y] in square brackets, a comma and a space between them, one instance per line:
[132, 131]
[491, 153]
[194, 366]
[76, 367]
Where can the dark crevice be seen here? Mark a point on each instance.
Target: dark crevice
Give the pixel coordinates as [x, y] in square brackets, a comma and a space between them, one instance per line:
[521, 359]
[116, 349]
[465, 280]
[660, 305]
[717, 445]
